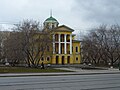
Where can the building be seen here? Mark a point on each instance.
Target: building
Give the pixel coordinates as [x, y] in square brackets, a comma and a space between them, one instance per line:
[66, 50]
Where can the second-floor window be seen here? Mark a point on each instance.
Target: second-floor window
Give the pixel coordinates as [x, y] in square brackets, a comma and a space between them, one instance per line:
[62, 38]
[56, 37]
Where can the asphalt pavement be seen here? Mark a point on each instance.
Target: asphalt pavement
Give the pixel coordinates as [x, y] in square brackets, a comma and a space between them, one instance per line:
[70, 82]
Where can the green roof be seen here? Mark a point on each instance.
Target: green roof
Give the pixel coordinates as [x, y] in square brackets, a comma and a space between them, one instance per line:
[51, 19]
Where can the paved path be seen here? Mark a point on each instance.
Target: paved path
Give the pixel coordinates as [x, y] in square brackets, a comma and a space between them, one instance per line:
[92, 70]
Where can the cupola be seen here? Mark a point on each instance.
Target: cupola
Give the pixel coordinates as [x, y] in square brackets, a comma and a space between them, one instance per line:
[50, 23]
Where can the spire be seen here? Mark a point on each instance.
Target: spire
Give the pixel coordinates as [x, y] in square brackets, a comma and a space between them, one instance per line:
[51, 13]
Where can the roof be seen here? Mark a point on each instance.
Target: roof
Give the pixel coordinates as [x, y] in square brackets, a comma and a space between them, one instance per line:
[63, 28]
[51, 19]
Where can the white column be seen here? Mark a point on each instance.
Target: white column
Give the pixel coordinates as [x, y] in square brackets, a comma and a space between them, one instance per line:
[53, 43]
[53, 48]
[65, 50]
[70, 43]
[59, 44]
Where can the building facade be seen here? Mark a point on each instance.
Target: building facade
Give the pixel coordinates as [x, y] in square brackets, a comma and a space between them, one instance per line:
[65, 49]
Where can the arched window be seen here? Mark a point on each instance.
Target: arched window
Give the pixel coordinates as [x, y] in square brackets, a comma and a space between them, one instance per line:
[76, 49]
[42, 59]
[48, 58]
[76, 58]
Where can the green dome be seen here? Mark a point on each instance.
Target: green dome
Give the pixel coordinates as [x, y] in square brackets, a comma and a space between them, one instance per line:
[51, 19]
[50, 23]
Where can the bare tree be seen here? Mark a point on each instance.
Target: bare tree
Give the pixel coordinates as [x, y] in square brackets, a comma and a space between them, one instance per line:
[113, 45]
[3, 37]
[13, 49]
[102, 45]
[34, 41]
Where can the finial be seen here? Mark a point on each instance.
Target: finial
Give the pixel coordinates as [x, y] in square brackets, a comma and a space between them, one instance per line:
[51, 13]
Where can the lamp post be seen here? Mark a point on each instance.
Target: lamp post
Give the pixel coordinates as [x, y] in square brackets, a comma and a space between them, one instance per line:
[109, 64]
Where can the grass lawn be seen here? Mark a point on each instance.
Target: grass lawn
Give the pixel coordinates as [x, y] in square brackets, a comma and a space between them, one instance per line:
[28, 70]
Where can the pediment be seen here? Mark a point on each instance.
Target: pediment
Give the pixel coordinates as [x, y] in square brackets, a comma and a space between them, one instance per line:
[63, 28]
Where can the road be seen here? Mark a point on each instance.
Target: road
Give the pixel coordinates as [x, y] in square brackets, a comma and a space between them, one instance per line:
[69, 82]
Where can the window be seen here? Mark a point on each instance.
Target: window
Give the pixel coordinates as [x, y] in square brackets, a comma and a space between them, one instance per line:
[76, 58]
[42, 59]
[76, 49]
[62, 38]
[48, 58]
[68, 59]
[53, 25]
[56, 37]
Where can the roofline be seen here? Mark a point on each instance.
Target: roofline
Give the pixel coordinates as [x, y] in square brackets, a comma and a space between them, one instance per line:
[67, 27]
[62, 30]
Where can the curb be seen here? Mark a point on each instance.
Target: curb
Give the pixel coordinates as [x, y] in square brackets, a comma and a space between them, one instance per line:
[61, 74]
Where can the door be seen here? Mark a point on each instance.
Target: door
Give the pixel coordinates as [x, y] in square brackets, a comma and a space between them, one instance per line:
[57, 59]
[62, 60]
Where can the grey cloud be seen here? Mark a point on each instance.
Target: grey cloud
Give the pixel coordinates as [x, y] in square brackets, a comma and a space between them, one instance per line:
[99, 11]
[74, 13]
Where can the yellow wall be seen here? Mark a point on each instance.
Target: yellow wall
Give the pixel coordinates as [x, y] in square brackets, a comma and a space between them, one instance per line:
[60, 59]
[76, 54]
[73, 56]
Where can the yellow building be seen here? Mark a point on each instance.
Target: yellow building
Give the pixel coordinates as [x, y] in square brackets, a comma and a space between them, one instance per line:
[66, 50]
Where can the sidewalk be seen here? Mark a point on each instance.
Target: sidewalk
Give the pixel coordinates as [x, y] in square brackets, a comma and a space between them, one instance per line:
[76, 72]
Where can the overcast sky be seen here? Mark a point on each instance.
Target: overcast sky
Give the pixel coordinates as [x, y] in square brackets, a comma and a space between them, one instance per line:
[78, 14]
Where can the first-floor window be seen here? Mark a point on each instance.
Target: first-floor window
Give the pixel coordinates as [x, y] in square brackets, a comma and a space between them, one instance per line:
[42, 59]
[76, 58]
[48, 58]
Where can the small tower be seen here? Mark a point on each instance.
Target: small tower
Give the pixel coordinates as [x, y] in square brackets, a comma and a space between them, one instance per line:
[50, 23]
